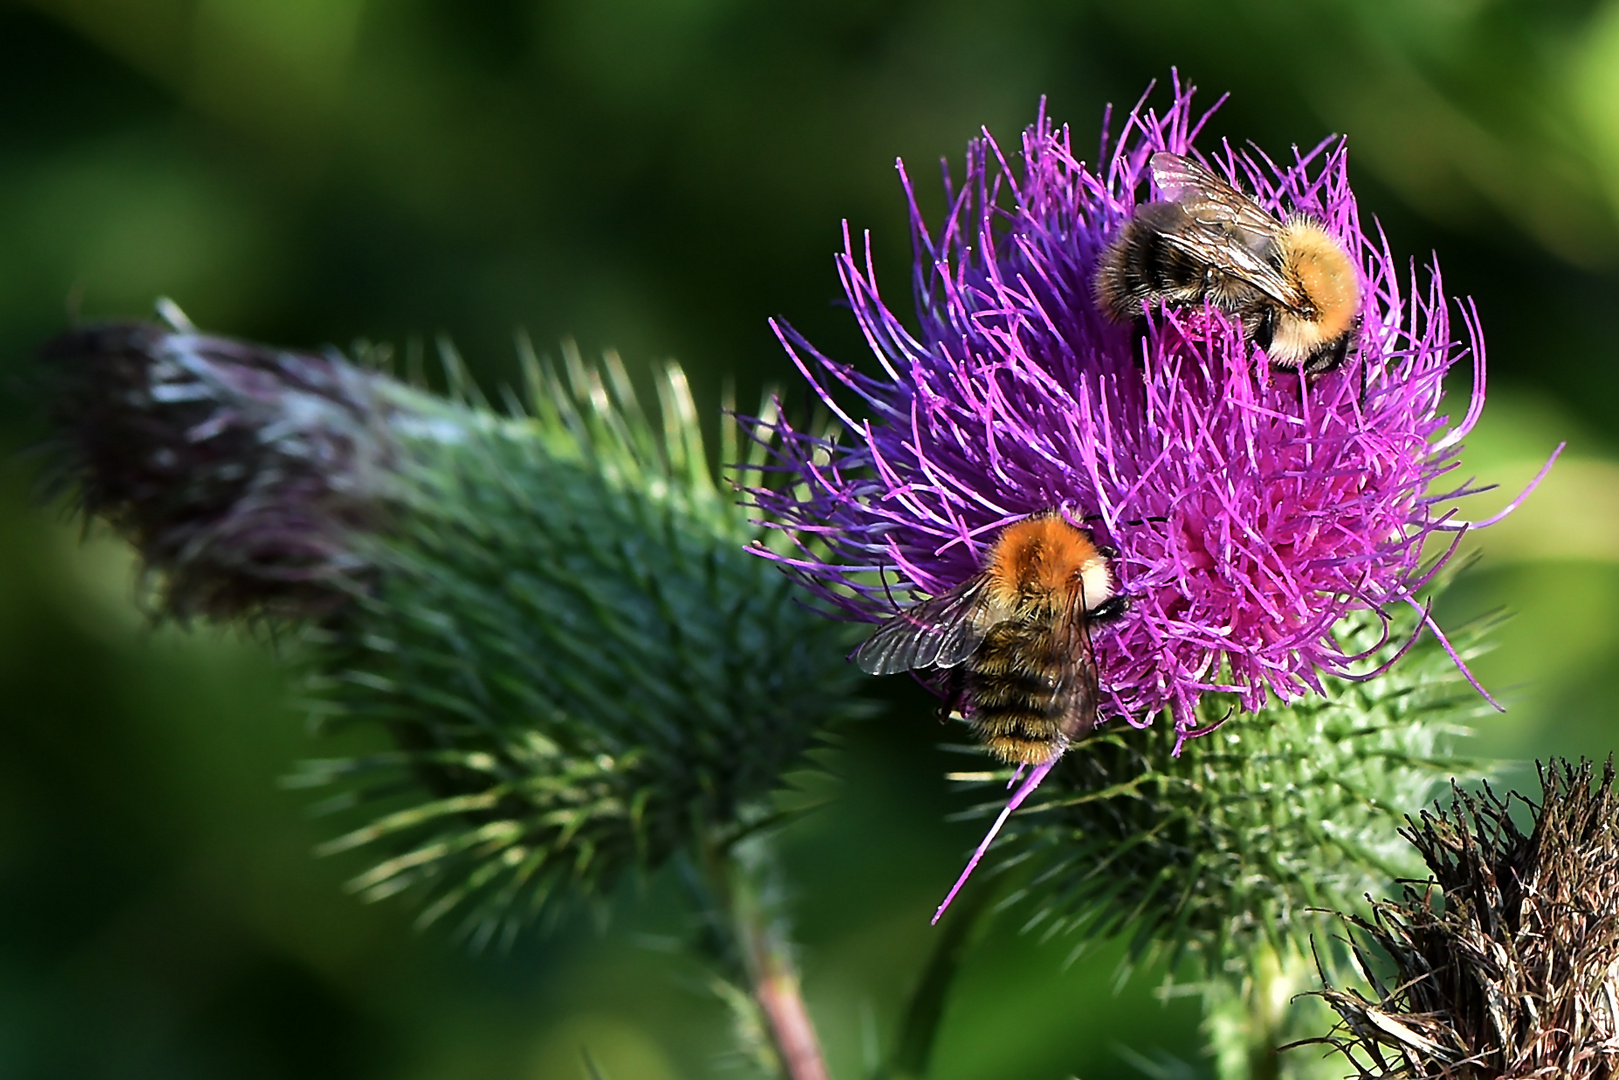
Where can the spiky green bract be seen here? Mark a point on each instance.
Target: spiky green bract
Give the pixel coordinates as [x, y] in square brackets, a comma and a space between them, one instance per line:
[581, 668]
[1222, 852]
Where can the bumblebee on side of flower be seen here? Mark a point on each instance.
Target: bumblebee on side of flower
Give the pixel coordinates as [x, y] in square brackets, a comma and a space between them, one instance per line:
[1251, 514]
[1014, 640]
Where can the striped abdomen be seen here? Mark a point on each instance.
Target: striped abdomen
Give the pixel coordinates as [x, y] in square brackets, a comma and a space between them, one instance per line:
[1013, 684]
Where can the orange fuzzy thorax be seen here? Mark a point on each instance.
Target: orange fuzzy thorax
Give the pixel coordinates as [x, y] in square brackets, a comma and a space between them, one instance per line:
[1036, 564]
[1318, 263]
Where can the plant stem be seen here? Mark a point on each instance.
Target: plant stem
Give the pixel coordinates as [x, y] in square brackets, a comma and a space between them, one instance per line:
[775, 988]
[920, 1028]
[1246, 1022]
[738, 883]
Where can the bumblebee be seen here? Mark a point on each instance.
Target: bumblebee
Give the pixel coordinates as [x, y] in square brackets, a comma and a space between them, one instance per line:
[1015, 639]
[1290, 283]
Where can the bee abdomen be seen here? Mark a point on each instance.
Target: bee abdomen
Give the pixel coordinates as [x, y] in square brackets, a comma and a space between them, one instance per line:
[1021, 691]
[1012, 685]
[1143, 267]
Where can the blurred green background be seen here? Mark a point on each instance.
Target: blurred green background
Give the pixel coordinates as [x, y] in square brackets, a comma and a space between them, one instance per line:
[659, 176]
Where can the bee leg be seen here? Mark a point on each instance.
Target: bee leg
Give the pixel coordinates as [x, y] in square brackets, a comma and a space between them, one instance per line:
[955, 698]
[1264, 330]
[1109, 609]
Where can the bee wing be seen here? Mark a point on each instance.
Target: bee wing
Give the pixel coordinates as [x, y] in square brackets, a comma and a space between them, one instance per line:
[1079, 690]
[1227, 255]
[1211, 200]
[1234, 234]
[939, 632]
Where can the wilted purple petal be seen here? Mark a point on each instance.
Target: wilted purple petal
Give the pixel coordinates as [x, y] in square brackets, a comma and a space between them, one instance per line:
[241, 472]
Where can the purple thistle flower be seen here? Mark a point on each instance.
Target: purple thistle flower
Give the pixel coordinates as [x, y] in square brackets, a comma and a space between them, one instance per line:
[1251, 509]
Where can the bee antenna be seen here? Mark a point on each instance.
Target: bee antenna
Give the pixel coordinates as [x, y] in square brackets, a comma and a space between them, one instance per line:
[1016, 801]
[1135, 521]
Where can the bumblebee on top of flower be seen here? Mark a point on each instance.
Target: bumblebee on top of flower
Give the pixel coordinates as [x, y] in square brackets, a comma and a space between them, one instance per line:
[1160, 425]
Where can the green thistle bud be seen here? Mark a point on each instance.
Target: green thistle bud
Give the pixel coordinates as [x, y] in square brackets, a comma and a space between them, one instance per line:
[1224, 851]
[576, 658]
[551, 613]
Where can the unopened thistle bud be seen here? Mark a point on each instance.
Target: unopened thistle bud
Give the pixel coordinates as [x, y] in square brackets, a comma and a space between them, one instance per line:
[551, 613]
[1228, 851]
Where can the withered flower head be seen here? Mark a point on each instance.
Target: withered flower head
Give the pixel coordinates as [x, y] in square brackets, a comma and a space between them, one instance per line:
[1507, 964]
[239, 471]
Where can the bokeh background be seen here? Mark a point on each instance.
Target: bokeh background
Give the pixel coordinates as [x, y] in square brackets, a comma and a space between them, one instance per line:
[658, 177]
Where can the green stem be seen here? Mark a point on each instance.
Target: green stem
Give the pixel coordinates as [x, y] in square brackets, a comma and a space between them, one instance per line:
[923, 1014]
[737, 881]
[775, 987]
[1247, 1022]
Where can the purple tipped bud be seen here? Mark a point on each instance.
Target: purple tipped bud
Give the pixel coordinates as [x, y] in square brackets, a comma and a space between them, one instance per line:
[239, 471]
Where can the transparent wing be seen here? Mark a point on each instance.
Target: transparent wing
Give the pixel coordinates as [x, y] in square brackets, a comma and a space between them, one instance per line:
[1211, 200]
[939, 632]
[1220, 251]
[1079, 690]
[1230, 232]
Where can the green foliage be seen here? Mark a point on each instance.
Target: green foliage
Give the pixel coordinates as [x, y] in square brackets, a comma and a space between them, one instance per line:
[582, 668]
[1223, 852]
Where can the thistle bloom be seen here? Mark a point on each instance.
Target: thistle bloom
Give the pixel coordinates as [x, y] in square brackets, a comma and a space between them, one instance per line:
[1251, 510]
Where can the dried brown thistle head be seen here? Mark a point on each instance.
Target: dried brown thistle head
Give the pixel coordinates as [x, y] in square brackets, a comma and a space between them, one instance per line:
[1513, 972]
